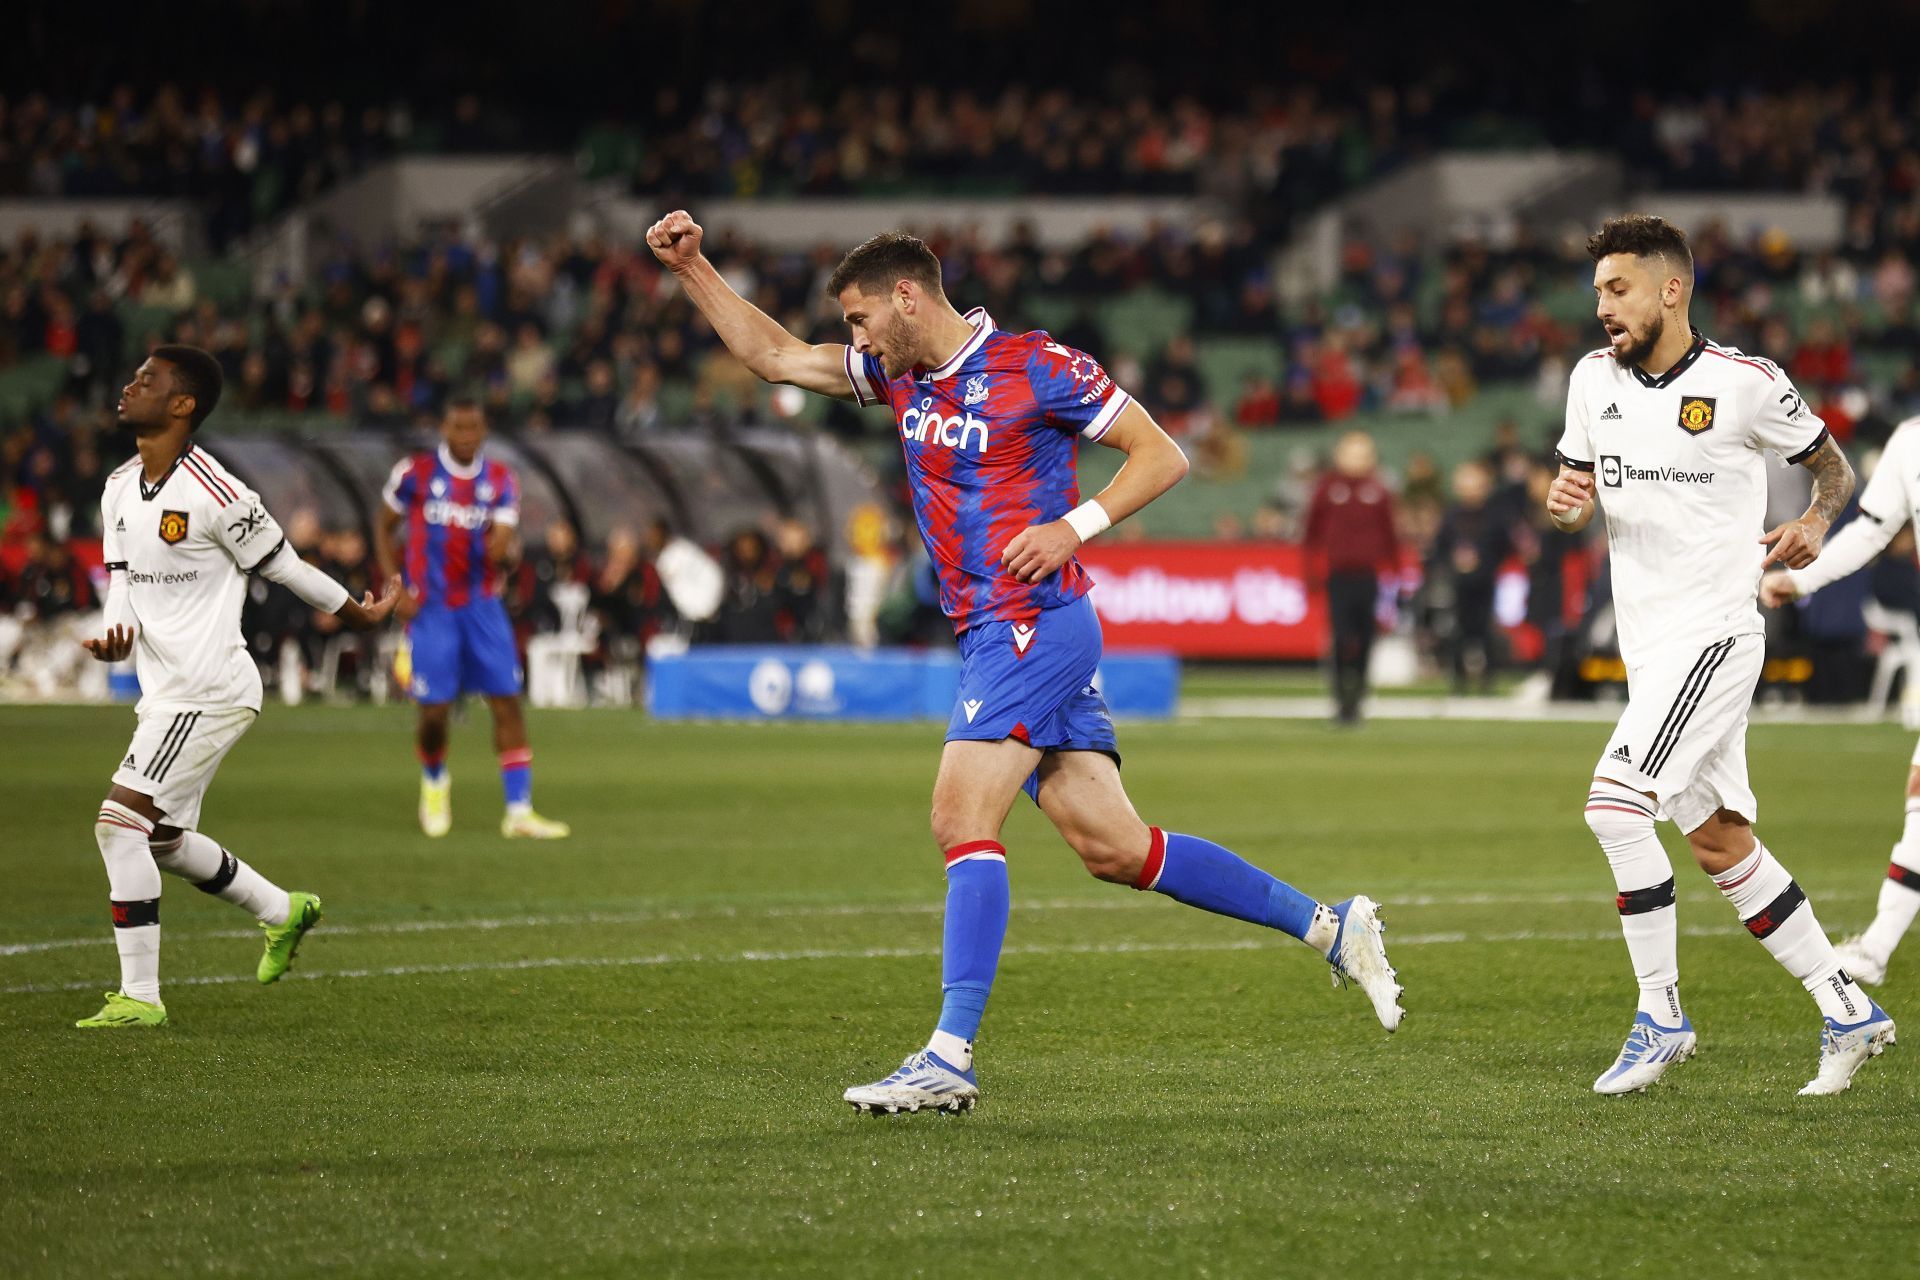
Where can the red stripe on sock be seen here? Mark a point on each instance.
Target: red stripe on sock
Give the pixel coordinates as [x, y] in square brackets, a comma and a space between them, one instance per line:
[431, 759]
[118, 821]
[972, 847]
[1906, 876]
[1617, 808]
[1156, 858]
[1724, 885]
[518, 756]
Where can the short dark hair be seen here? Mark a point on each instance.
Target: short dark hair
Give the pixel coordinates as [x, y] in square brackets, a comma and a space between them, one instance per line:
[1645, 235]
[195, 373]
[886, 258]
[461, 403]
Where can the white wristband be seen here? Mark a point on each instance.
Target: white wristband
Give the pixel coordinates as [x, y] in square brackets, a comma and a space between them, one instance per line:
[1088, 519]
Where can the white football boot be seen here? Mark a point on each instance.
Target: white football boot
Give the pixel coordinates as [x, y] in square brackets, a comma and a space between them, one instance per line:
[1650, 1049]
[1843, 1048]
[924, 1082]
[1359, 954]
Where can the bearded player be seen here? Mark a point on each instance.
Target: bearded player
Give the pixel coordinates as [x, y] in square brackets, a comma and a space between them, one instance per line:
[181, 536]
[990, 423]
[1890, 499]
[1672, 429]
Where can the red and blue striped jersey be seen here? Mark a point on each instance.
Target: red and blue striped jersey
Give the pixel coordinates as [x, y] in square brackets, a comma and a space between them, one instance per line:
[448, 509]
[992, 444]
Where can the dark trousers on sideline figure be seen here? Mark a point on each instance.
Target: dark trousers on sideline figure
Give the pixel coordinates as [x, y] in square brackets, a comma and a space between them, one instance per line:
[1350, 602]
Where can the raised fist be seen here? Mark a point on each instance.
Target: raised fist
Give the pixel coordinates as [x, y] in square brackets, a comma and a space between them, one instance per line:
[675, 240]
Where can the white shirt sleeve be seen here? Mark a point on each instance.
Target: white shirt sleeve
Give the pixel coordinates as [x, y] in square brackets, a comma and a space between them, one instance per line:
[1783, 422]
[1576, 445]
[284, 566]
[247, 532]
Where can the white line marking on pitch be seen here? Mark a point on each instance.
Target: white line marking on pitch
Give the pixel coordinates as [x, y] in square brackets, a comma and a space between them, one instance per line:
[481, 924]
[863, 953]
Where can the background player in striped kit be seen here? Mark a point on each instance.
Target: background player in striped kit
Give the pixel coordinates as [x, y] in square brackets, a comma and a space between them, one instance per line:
[1890, 499]
[462, 514]
[181, 535]
[1672, 426]
[990, 424]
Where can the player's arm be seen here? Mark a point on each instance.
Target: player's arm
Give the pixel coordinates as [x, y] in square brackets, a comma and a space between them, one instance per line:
[755, 338]
[319, 590]
[1154, 465]
[386, 548]
[1797, 543]
[117, 612]
[1884, 502]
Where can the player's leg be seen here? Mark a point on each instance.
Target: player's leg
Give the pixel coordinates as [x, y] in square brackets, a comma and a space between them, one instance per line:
[1621, 808]
[179, 848]
[1866, 956]
[121, 830]
[972, 793]
[433, 642]
[1081, 793]
[1717, 811]
[490, 664]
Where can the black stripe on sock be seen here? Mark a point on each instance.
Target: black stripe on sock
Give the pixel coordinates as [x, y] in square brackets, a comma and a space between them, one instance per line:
[1633, 902]
[229, 868]
[193, 718]
[1776, 912]
[132, 915]
[1704, 670]
[1906, 877]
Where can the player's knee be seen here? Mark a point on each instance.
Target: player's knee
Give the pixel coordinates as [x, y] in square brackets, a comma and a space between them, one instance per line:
[1721, 841]
[1106, 857]
[952, 826]
[1618, 816]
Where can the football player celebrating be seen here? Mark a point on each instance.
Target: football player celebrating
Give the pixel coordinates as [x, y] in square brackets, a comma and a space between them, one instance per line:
[990, 423]
[181, 536]
[1671, 426]
[1890, 499]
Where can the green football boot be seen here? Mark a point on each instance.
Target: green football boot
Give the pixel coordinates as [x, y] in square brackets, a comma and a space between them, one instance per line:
[284, 939]
[125, 1011]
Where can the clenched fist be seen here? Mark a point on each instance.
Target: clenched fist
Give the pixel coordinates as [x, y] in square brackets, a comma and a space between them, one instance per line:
[675, 240]
[1570, 491]
[1777, 589]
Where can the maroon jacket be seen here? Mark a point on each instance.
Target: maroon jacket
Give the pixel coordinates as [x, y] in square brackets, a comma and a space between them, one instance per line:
[1350, 525]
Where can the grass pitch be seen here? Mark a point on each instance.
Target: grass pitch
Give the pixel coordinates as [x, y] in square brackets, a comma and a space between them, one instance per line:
[622, 1055]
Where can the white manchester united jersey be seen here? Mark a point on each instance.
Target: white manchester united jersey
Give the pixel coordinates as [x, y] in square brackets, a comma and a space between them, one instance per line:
[185, 547]
[1681, 479]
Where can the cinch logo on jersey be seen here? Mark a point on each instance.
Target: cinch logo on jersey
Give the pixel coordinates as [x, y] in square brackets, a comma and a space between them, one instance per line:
[457, 515]
[1614, 472]
[927, 425]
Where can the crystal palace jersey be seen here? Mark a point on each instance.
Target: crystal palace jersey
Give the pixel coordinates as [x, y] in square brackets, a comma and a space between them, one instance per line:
[992, 439]
[448, 509]
[185, 546]
[1681, 478]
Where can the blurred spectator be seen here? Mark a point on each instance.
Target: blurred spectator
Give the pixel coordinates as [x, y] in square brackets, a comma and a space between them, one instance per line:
[1350, 541]
[1473, 541]
[750, 606]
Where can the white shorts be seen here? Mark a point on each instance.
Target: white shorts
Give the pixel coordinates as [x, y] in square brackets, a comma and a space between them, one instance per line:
[174, 754]
[1683, 736]
[1916, 755]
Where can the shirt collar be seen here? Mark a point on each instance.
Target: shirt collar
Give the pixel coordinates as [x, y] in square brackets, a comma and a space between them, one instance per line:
[982, 326]
[459, 472]
[1680, 366]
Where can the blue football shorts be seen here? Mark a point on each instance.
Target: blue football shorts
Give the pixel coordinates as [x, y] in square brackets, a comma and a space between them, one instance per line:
[1034, 681]
[465, 650]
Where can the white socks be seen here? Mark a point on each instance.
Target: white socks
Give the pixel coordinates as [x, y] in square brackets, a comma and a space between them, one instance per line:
[212, 869]
[1778, 913]
[1622, 821]
[133, 882]
[1899, 892]
[951, 1049]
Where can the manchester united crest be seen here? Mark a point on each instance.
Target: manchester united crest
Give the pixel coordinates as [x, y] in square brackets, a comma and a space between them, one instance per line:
[1696, 414]
[173, 526]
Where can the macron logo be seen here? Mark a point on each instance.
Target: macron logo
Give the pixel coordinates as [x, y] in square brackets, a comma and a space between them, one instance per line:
[1022, 636]
[972, 707]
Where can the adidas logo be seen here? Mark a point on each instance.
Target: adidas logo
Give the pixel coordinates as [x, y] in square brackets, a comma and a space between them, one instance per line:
[128, 762]
[1612, 413]
[120, 525]
[1621, 754]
